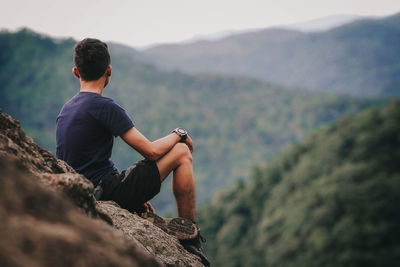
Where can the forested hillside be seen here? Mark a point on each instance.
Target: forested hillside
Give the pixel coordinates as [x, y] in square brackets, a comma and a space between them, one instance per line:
[360, 58]
[234, 121]
[331, 200]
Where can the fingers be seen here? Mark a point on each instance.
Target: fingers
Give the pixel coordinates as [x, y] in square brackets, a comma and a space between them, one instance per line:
[189, 143]
[150, 207]
[190, 147]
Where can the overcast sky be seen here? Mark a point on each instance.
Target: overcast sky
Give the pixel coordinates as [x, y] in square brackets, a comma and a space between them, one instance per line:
[144, 22]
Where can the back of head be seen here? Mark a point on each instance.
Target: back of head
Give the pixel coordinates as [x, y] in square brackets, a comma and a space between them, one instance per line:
[91, 58]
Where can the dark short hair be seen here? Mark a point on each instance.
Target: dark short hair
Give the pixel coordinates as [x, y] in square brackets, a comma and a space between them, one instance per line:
[91, 58]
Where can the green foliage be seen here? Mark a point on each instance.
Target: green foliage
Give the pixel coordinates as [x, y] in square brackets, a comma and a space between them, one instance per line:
[331, 200]
[235, 121]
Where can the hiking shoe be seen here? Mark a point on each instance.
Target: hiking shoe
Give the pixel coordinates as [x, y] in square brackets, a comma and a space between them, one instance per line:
[194, 246]
[180, 227]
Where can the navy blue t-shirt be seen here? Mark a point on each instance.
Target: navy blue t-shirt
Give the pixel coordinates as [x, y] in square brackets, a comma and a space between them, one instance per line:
[85, 132]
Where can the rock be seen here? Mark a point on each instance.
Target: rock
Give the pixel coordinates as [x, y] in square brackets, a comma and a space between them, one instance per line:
[49, 217]
[41, 227]
[163, 246]
[44, 166]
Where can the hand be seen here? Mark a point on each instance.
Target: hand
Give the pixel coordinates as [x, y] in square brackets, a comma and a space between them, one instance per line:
[149, 207]
[189, 143]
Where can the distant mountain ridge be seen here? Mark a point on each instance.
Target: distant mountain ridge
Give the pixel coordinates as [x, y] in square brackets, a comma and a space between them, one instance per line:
[322, 24]
[359, 58]
[319, 24]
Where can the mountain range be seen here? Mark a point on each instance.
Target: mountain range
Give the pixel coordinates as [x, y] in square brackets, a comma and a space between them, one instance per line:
[358, 58]
[286, 174]
[235, 121]
[319, 24]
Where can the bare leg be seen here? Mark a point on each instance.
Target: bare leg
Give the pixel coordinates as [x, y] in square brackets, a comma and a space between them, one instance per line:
[179, 160]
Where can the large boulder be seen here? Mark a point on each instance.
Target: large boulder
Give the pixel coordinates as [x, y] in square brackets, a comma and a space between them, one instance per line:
[41, 227]
[49, 217]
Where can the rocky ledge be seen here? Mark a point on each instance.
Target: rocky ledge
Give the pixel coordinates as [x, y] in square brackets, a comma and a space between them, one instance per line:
[49, 217]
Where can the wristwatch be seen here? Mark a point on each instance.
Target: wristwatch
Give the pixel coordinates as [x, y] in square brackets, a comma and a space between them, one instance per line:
[181, 132]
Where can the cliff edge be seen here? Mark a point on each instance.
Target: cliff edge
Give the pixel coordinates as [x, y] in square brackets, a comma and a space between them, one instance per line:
[49, 217]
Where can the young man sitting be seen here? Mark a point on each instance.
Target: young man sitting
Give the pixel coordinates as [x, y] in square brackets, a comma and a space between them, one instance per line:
[86, 127]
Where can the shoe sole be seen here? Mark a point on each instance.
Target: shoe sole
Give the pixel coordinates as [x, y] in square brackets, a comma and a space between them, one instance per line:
[180, 227]
[198, 252]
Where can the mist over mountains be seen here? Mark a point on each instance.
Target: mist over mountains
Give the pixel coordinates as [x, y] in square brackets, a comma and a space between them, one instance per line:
[322, 24]
[359, 58]
[286, 172]
[319, 24]
[235, 122]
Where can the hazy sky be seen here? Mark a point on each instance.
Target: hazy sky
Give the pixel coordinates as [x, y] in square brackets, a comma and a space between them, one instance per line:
[145, 22]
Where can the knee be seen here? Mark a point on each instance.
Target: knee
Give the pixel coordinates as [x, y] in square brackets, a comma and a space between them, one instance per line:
[183, 152]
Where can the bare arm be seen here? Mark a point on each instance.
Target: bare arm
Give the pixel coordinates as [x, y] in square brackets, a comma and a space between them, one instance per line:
[152, 150]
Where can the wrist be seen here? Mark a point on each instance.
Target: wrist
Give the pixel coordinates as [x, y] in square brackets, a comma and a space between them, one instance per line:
[182, 133]
[177, 136]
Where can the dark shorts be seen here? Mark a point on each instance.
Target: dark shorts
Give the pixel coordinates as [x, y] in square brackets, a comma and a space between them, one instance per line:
[133, 187]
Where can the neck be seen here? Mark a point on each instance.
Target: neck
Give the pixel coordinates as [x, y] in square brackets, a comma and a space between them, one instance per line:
[93, 86]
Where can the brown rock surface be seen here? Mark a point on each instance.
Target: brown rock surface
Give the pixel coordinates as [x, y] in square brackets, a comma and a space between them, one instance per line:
[158, 243]
[40, 226]
[43, 165]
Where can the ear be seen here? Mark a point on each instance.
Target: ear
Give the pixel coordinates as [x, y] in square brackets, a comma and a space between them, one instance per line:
[76, 73]
[109, 71]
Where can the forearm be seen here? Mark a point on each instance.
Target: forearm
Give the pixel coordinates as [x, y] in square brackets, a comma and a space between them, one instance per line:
[150, 150]
[161, 146]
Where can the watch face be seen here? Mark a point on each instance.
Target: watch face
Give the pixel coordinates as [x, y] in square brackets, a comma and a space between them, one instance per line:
[181, 131]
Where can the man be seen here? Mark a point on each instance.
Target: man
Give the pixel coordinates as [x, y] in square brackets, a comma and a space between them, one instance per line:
[86, 127]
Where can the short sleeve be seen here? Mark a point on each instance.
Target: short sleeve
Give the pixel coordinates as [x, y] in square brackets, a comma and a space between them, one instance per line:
[115, 118]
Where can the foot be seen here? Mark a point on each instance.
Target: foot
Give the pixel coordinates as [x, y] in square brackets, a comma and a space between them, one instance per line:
[180, 227]
[194, 246]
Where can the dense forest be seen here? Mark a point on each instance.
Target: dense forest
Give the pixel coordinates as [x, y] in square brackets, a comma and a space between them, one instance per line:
[331, 200]
[359, 58]
[235, 121]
